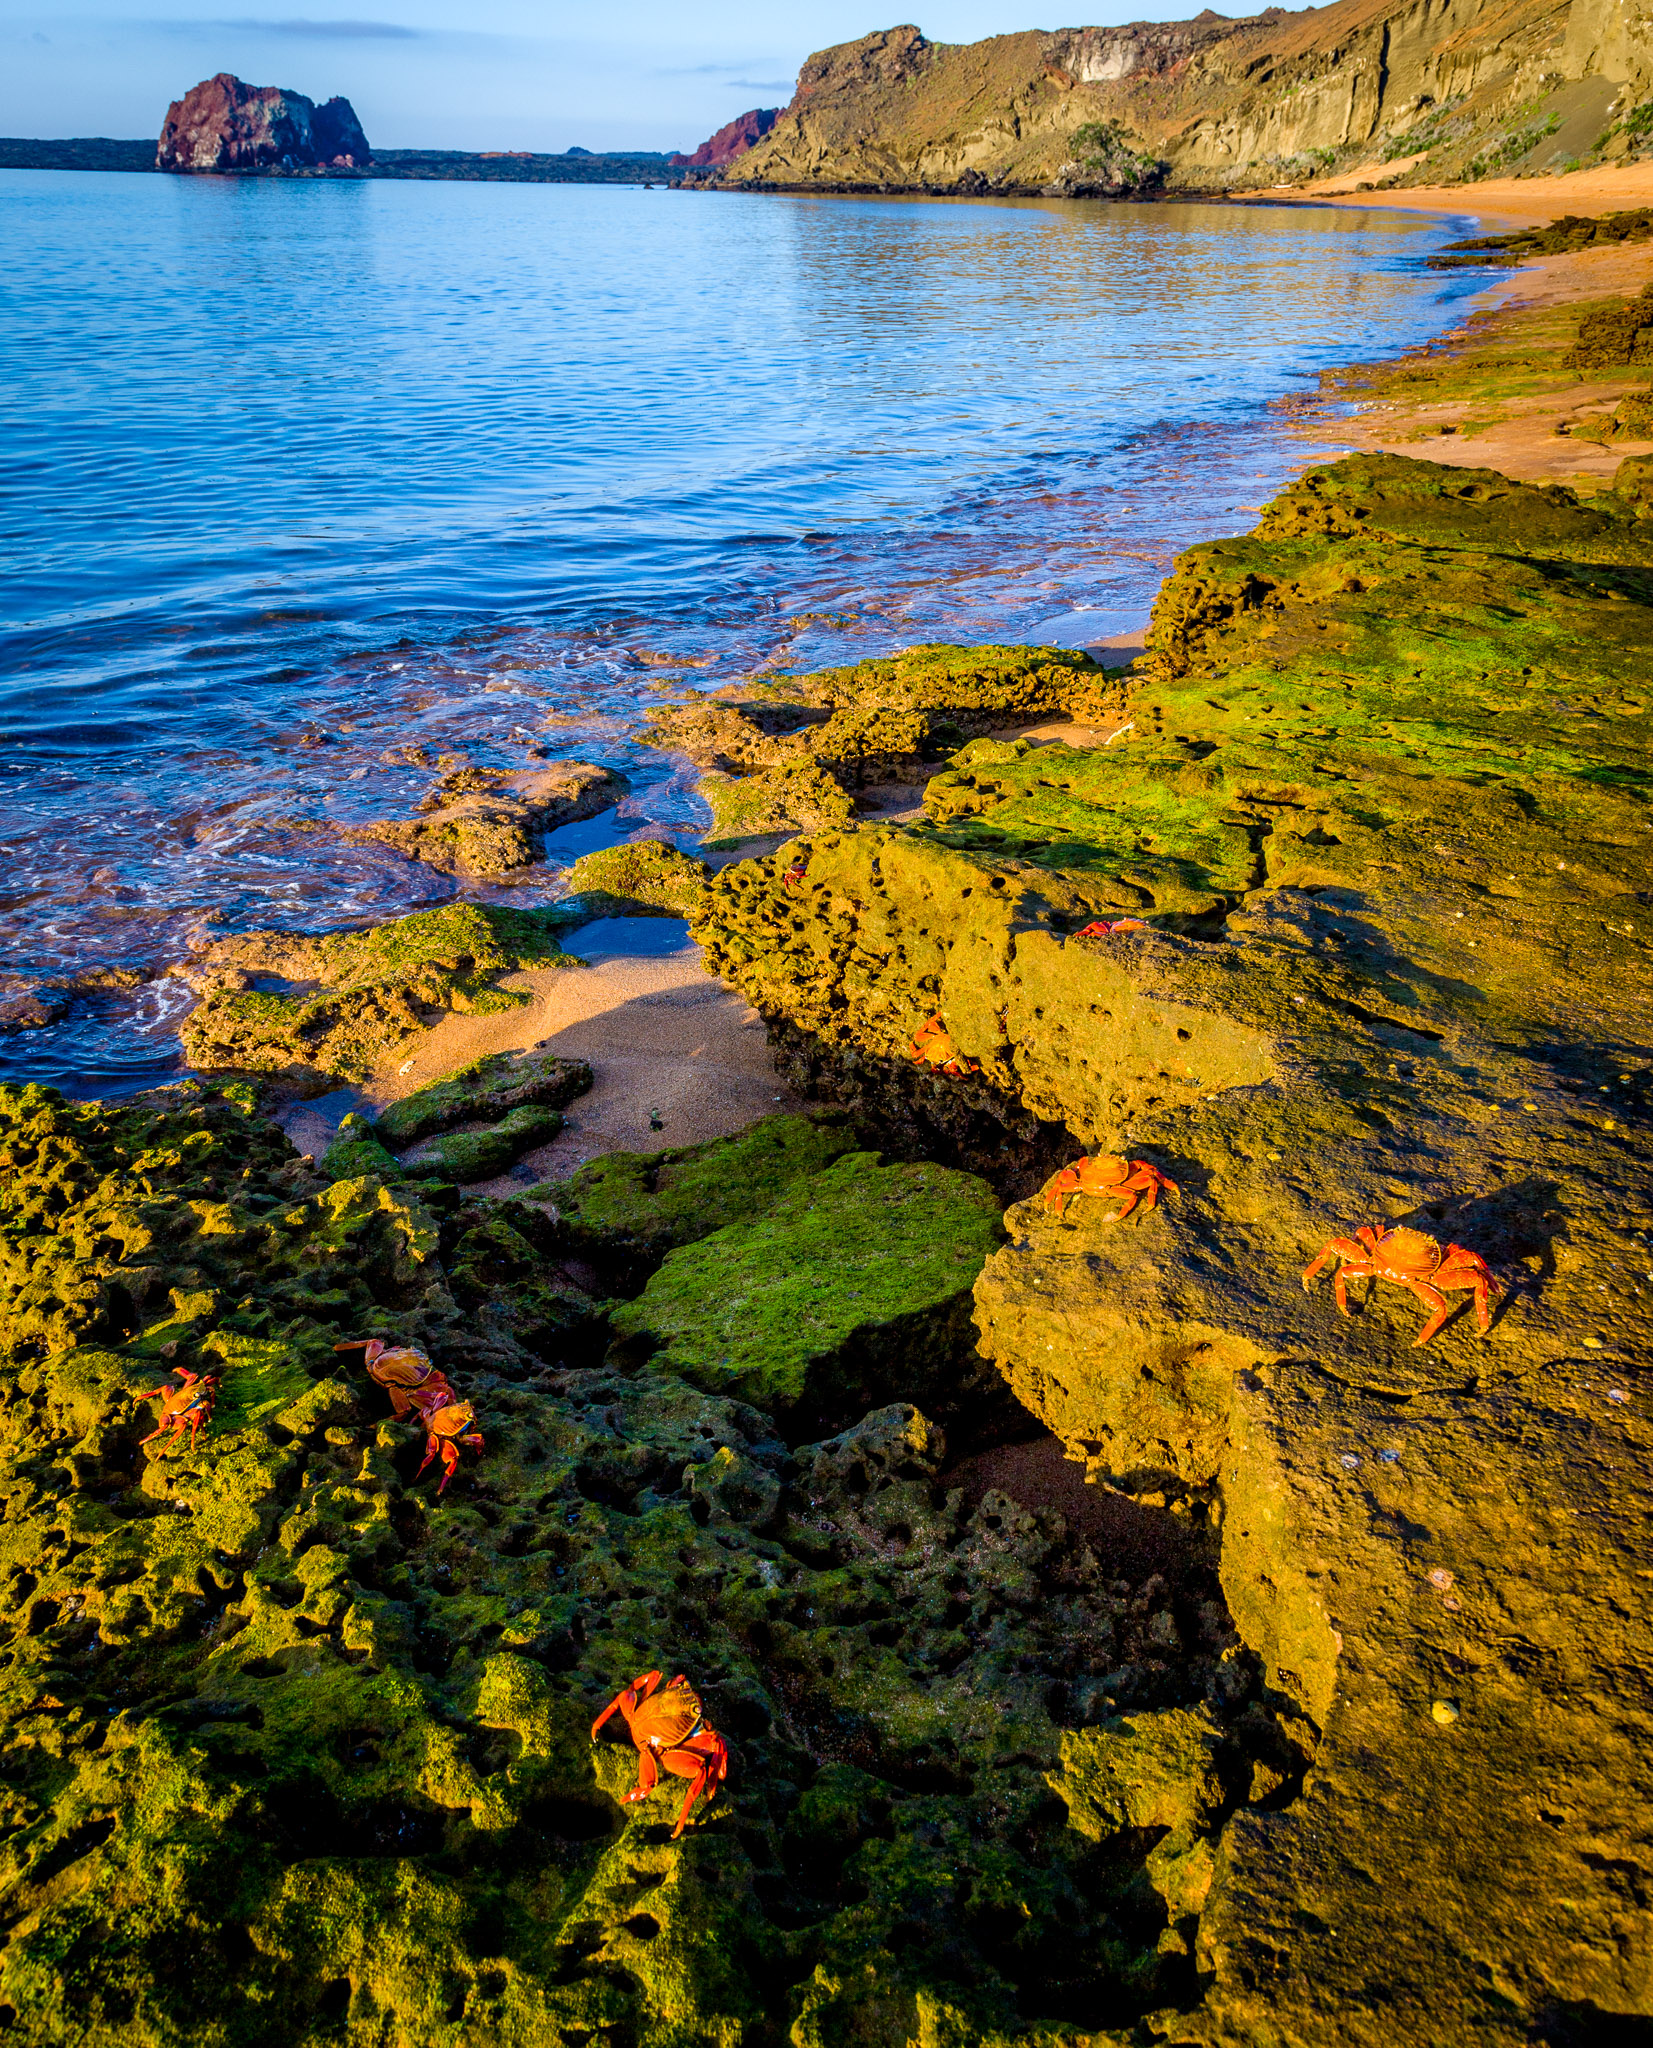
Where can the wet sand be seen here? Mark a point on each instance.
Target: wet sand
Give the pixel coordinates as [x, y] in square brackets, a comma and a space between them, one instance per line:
[1522, 442]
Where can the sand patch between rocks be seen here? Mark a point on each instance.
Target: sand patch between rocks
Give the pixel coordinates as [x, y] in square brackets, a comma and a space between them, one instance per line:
[663, 1037]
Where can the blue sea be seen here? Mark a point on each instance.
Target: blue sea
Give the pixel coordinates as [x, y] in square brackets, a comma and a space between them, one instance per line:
[300, 474]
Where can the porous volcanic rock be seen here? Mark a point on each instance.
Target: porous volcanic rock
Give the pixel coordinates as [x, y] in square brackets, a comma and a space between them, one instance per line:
[793, 754]
[272, 1705]
[224, 124]
[1384, 813]
[492, 824]
[340, 1003]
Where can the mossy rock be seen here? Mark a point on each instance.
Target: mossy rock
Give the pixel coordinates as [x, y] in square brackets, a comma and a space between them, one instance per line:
[773, 764]
[273, 1706]
[645, 1204]
[486, 1089]
[465, 1156]
[645, 878]
[355, 1151]
[349, 1000]
[1421, 697]
[854, 1287]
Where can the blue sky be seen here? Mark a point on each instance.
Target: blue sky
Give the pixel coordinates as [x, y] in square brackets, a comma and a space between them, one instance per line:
[487, 74]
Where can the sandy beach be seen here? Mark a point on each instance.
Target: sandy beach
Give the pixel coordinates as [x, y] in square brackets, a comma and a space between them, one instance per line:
[1499, 202]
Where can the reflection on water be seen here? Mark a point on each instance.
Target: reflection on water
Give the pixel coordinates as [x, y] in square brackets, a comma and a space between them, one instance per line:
[306, 478]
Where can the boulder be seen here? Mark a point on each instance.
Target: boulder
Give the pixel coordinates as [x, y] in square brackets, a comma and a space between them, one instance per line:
[341, 1003]
[851, 1290]
[645, 1204]
[493, 824]
[224, 124]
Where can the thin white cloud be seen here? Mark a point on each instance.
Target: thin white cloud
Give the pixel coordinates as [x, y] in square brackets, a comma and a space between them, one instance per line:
[297, 26]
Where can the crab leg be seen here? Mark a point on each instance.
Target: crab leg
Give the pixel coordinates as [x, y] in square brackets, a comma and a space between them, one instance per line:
[633, 1694]
[697, 1785]
[1431, 1297]
[648, 1776]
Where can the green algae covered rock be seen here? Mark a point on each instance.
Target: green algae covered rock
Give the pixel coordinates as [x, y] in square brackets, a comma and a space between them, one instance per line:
[355, 1151]
[646, 877]
[344, 1002]
[647, 1203]
[295, 1751]
[790, 755]
[854, 1286]
[1384, 809]
[463, 1156]
[485, 1090]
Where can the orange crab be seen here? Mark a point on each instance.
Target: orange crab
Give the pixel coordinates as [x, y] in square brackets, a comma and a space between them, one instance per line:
[416, 1387]
[191, 1403]
[1102, 930]
[933, 1047]
[795, 874]
[1133, 1179]
[1413, 1260]
[671, 1734]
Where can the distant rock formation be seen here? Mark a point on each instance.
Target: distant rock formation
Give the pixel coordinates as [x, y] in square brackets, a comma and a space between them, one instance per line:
[225, 125]
[1385, 92]
[733, 139]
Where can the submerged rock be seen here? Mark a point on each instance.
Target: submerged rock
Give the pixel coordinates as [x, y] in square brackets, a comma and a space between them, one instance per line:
[492, 824]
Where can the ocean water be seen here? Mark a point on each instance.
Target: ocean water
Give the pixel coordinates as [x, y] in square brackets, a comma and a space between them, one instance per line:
[297, 475]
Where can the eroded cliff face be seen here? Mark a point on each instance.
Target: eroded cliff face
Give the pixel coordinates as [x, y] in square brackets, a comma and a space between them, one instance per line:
[1210, 104]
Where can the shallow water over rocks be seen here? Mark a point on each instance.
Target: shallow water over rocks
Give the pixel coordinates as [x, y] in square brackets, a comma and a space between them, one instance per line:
[319, 490]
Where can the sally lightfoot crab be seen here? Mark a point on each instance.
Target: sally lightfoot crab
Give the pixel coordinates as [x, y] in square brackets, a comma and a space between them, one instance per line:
[670, 1732]
[933, 1046]
[1410, 1259]
[190, 1404]
[1133, 1180]
[416, 1387]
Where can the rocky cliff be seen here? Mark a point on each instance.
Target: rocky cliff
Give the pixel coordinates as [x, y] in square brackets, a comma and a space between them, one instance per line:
[223, 124]
[1419, 89]
[733, 139]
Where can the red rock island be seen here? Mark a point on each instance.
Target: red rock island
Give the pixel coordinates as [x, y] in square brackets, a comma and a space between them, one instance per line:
[226, 125]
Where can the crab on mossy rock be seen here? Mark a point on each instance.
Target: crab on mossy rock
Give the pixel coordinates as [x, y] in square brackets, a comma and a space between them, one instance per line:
[645, 1204]
[854, 1287]
[346, 1001]
[273, 1709]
